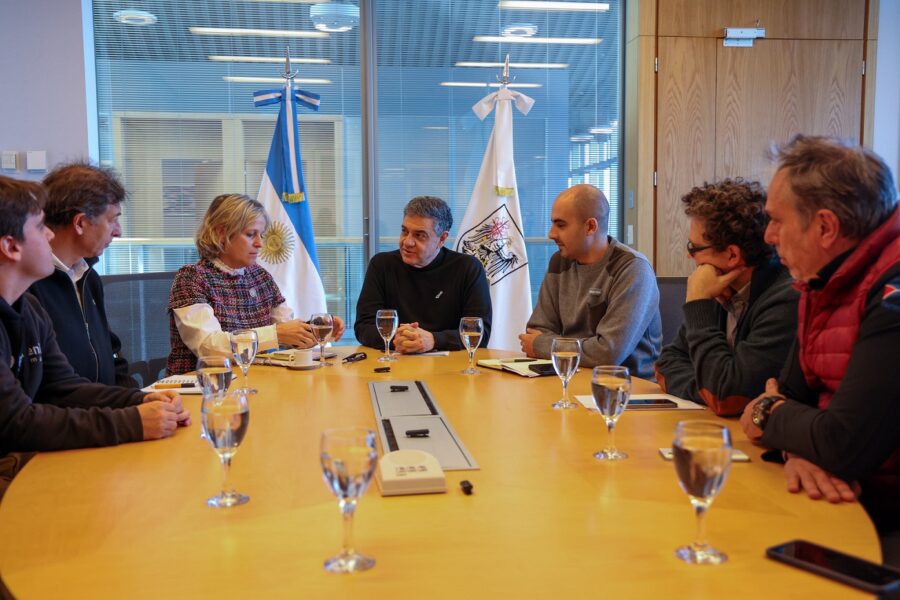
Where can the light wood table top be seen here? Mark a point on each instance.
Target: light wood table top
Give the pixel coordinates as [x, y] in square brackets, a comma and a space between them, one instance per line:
[546, 519]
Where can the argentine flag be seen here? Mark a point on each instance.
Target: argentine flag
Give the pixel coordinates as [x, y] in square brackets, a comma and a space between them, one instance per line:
[289, 248]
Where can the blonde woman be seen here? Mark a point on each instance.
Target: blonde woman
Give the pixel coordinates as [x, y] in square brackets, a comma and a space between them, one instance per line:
[226, 290]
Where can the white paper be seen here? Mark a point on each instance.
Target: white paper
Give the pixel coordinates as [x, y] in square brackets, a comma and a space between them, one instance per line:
[194, 389]
[588, 402]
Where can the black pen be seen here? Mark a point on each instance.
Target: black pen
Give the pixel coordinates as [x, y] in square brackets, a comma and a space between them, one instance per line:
[356, 356]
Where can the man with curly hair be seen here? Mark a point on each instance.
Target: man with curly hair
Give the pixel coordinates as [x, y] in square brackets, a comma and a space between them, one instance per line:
[740, 313]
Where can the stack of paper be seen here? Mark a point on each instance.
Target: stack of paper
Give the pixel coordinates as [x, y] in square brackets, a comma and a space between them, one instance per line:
[519, 366]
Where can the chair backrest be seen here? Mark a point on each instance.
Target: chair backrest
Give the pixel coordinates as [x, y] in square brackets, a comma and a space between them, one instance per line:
[671, 300]
[136, 309]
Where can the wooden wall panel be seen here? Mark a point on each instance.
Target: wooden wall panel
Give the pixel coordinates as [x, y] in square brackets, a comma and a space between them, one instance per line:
[778, 88]
[794, 19]
[685, 141]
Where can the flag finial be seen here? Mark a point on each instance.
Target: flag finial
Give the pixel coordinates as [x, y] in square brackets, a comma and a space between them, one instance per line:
[288, 75]
[503, 78]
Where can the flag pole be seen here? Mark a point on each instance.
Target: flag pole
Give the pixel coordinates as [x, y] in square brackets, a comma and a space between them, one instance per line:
[288, 75]
[503, 78]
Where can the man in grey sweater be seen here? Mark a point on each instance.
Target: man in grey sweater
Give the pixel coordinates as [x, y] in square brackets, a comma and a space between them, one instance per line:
[595, 289]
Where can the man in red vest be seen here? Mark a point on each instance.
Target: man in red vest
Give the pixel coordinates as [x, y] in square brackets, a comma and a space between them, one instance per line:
[835, 411]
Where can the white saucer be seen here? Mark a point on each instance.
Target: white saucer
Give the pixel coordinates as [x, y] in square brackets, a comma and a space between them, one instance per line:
[304, 367]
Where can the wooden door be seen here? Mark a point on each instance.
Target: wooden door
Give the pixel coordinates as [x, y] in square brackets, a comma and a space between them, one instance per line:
[719, 110]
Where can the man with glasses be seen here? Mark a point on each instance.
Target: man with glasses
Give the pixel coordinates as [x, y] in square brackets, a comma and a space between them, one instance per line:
[740, 312]
[83, 209]
[834, 412]
[595, 289]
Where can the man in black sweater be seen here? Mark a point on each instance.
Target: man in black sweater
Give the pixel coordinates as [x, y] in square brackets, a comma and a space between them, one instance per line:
[44, 405]
[431, 287]
[83, 212]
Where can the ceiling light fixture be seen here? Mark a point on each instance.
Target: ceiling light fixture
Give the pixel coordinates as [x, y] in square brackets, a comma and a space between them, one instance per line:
[269, 59]
[237, 79]
[335, 17]
[257, 32]
[479, 84]
[581, 138]
[135, 17]
[499, 65]
[536, 5]
[537, 40]
[519, 30]
[601, 130]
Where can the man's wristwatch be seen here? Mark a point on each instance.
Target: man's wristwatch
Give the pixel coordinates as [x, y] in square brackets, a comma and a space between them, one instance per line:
[762, 410]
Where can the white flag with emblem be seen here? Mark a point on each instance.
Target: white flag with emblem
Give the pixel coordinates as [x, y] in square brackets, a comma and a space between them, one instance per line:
[491, 229]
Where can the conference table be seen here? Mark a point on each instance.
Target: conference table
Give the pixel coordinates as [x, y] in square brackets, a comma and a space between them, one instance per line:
[545, 519]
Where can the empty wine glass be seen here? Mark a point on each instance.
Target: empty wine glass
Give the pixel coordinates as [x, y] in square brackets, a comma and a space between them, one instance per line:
[322, 325]
[386, 320]
[702, 453]
[610, 389]
[225, 420]
[566, 354]
[214, 375]
[348, 461]
[471, 329]
[244, 343]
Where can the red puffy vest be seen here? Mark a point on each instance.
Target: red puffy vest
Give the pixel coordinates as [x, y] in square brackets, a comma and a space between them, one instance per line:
[829, 318]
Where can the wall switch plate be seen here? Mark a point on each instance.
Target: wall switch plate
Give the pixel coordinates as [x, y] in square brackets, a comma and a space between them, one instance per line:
[629, 236]
[36, 160]
[9, 160]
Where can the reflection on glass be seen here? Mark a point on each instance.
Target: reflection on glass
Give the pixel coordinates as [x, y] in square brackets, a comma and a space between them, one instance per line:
[471, 329]
[225, 421]
[244, 343]
[386, 320]
[566, 354]
[610, 389]
[322, 325]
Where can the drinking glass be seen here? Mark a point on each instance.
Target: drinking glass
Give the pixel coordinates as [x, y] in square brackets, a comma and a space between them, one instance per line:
[225, 420]
[610, 388]
[566, 354]
[322, 325]
[386, 320]
[471, 329]
[702, 453]
[348, 461]
[214, 375]
[244, 343]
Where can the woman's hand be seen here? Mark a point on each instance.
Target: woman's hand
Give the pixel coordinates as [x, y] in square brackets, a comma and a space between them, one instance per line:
[295, 333]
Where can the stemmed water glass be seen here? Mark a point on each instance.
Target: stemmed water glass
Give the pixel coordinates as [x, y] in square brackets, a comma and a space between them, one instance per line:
[471, 329]
[348, 461]
[610, 388]
[244, 344]
[566, 354]
[322, 325]
[702, 453]
[386, 320]
[225, 420]
[214, 375]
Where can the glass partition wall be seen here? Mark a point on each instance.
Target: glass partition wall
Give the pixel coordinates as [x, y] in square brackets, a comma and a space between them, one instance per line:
[175, 80]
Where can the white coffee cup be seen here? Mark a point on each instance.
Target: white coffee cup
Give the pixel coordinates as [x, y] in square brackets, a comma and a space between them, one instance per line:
[301, 358]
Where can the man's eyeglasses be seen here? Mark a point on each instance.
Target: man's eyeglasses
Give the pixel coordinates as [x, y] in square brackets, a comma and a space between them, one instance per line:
[692, 249]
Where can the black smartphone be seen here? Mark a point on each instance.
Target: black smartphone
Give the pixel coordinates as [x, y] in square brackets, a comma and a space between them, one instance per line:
[543, 369]
[651, 403]
[858, 572]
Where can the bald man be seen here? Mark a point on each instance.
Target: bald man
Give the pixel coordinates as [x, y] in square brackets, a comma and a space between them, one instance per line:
[595, 289]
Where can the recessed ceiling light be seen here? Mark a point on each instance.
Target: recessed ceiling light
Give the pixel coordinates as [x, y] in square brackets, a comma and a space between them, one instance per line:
[134, 17]
[479, 84]
[335, 17]
[537, 40]
[257, 32]
[519, 30]
[536, 5]
[270, 59]
[499, 65]
[237, 79]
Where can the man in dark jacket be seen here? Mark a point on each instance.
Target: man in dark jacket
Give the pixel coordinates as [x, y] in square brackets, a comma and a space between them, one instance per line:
[44, 405]
[740, 313]
[834, 413]
[83, 212]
